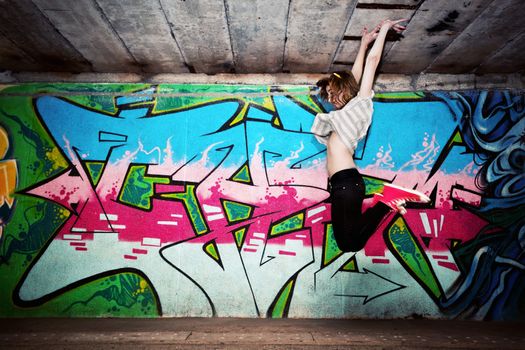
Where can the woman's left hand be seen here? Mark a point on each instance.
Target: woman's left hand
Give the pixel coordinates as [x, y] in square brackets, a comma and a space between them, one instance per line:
[367, 37]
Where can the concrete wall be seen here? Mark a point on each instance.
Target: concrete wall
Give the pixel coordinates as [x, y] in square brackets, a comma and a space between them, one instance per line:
[151, 200]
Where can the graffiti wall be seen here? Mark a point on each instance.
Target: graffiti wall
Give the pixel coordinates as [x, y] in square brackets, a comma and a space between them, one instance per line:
[144, 200]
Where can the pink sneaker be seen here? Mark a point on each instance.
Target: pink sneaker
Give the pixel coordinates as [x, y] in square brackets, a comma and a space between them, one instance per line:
[396, 197]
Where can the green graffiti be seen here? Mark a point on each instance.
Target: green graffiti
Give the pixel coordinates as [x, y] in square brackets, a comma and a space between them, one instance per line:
[208, 93]
[401, 95]
[189, 199]
[95, 170]
[171, 104]
[100, 97]
[242, 175]
[330, 249]
[350, 265]
[240, 235]
[138, 188]
[119, 295]
[373, 185]
[407, 250]
[287, 225]
[44, 159]
[281, 304]
[212, 251]
[308, 103]
[32, 224]
[236, 211]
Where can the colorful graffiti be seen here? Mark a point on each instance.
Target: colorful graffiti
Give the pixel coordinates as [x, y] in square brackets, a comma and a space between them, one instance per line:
[210, 200]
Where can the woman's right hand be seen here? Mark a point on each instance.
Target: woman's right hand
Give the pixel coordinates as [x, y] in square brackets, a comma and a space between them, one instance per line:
[390, 24]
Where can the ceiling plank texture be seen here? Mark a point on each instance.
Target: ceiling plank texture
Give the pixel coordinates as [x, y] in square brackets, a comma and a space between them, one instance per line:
[201, 30]
[143, 27]
[258, 36]
[25, 26]
[13, 58]
[75, 21]
[432, 28]
[315, 29]
[501, 21]
[507, 60]
[257, 30]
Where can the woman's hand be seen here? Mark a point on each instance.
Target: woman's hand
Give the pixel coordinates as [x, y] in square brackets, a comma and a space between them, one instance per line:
[390, 24]
[367, 37]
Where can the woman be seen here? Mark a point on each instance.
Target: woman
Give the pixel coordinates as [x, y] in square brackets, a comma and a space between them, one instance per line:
[340, 130]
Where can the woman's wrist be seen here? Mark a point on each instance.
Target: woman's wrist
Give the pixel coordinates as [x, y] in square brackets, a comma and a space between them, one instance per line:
[385, 27]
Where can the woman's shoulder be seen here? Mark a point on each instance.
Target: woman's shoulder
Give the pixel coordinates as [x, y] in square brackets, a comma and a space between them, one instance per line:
[367, 96]
[359, 99]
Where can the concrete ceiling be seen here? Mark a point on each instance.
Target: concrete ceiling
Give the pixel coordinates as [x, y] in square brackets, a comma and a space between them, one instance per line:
[258, 36]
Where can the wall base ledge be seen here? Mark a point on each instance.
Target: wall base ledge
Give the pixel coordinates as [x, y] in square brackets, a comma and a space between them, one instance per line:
[384, 82]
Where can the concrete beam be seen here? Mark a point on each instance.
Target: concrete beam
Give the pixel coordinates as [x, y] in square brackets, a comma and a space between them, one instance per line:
[383, 83]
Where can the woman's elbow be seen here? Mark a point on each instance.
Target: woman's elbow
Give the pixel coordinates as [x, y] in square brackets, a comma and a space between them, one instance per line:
[373, 60]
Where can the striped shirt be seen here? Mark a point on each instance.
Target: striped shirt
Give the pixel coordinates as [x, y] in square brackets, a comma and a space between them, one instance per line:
[350, 122]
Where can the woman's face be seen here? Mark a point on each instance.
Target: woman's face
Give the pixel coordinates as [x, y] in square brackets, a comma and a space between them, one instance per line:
[335, 97]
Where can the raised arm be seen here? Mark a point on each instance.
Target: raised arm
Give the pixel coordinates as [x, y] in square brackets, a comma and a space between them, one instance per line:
[366, 39]
[374, 56]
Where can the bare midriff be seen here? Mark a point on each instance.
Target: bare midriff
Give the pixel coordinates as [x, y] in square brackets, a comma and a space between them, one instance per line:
[338, 156]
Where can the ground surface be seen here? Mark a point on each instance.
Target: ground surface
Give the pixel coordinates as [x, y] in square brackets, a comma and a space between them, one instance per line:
[234, 333]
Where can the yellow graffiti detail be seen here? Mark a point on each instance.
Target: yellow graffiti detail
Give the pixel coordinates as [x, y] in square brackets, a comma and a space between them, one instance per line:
[8, 175]
[61, 214]
[143, 285]
[4, 143]
[240, 116]
[8, 172]
[56, 159]
[265, 102]
[268, 103]
[142, 288]
[64, 213]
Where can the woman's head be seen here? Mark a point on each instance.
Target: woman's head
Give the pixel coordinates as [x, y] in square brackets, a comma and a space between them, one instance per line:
[338, 88]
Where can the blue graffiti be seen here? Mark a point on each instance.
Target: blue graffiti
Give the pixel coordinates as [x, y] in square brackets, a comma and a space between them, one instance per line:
[493, 128]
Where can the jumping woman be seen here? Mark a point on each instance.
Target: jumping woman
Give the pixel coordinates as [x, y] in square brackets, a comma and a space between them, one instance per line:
[340, 130]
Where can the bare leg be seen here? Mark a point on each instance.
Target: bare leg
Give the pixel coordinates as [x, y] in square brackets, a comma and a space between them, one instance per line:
[338, 157]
